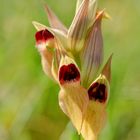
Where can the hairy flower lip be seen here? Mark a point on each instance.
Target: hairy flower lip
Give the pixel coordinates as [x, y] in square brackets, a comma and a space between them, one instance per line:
[68, 74]
[98, 92]
[43, 36]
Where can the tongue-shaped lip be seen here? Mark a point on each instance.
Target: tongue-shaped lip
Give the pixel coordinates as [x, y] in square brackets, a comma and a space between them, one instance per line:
[98, 92]
[68, 74]
[43, 36]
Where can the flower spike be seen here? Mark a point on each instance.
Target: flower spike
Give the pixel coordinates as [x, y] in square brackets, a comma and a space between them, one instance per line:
[73, 58]
[54, 21]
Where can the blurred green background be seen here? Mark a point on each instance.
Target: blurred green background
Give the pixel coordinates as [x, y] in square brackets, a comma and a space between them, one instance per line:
[28, 99]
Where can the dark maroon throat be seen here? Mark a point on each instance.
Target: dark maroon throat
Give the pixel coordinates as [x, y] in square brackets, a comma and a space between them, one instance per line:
[97, 92]
[68, 73]
[43, 35]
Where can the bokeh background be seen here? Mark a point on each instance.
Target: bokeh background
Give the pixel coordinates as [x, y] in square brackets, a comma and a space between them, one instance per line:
[28, 99]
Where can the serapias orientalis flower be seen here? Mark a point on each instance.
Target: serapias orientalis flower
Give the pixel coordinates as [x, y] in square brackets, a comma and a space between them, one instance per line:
[73, 57]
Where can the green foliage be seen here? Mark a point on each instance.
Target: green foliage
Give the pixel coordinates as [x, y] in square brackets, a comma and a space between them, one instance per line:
[29, 107]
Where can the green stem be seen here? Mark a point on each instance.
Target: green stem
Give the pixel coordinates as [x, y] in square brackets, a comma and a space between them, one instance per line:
[79, 137]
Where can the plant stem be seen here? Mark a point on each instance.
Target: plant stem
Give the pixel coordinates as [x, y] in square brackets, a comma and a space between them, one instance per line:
[79, 137]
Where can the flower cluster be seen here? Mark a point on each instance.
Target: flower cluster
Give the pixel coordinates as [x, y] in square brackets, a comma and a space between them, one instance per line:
[73, 58]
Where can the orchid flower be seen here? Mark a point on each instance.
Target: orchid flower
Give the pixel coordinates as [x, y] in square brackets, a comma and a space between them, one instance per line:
[73, 57]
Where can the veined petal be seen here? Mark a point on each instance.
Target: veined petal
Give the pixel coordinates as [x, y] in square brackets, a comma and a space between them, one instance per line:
[73, 98]
[78, 27]
[54, 21]
[92, 55]
[95, 115]
[91, 10]
[107, 69]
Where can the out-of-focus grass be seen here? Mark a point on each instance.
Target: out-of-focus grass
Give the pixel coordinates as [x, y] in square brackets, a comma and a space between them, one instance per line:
[28, 99]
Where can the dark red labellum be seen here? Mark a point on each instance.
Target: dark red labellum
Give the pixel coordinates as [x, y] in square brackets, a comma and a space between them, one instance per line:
[43, 35]
[68, 73]
[97, 92]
